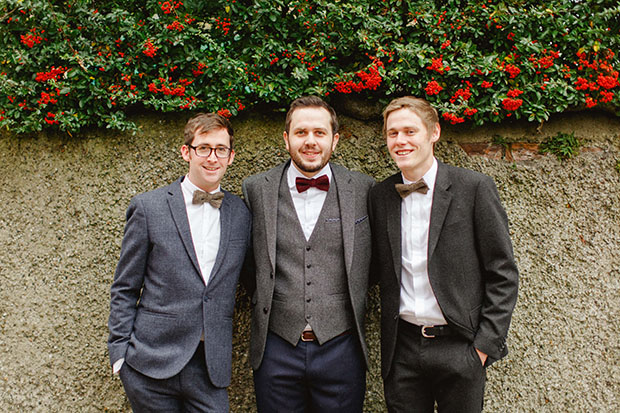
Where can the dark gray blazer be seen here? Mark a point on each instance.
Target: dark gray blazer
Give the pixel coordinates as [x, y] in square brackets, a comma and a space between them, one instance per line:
[261, 194]
[159, 303]
[470, 259]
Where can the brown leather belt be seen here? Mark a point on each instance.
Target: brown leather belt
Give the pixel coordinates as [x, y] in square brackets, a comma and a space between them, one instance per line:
[308, 335]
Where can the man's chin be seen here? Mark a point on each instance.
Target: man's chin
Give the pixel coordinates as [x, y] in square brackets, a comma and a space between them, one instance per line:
[309, 168]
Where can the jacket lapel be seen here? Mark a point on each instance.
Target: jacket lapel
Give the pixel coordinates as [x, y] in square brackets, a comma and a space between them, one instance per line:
[441, 203]
[393, 205]
[346, 200]
[225, 224]
[176, 202]
[270, 189]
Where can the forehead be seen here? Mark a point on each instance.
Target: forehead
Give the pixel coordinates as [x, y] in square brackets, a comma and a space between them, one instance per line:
[404, 118]
[310, 118]
[212, 137]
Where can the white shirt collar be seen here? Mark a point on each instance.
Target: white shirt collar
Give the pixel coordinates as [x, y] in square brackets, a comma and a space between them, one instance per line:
[429, 177]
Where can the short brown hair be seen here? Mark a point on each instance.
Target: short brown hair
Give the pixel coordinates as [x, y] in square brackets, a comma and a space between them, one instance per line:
[311, 102]
[419, 106]
[204, 123]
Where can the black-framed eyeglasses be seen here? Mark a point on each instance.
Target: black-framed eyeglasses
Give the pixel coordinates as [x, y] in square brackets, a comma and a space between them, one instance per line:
[204, 151]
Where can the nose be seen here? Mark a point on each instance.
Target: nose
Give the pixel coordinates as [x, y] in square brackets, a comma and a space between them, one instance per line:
[212, 156]
[311, 139]
[400, 138]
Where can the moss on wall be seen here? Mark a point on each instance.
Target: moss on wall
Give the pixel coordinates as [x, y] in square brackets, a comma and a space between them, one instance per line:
[63, 203]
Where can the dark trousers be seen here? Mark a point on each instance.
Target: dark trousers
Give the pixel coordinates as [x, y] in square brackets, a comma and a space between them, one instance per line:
[310, 377]
[188, 391]
[445, 369]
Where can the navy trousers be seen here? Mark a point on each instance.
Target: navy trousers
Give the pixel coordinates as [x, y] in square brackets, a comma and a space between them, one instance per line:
[188, 391]
[310, 377]
[445, 370]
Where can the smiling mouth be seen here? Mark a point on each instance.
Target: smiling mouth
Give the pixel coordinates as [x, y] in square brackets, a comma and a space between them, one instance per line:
[311, 154]
[404, 152]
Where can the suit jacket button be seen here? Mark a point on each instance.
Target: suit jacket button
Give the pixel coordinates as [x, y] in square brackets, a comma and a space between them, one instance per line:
[309, 265]
[265, 310]
[308, 300]
[271, 274]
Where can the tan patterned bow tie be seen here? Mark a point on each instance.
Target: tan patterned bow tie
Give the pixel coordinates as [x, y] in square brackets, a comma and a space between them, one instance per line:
[215, 199]
[405, 189]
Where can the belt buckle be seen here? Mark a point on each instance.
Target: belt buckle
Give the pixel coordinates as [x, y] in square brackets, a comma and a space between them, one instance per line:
[304, 339]
[423, 330]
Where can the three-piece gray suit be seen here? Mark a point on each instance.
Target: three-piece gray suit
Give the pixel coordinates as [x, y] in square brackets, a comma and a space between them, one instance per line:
[160, 306]
[321, 281]
[471, 267]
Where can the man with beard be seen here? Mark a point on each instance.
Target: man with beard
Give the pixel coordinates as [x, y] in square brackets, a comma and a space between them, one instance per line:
[309, 272]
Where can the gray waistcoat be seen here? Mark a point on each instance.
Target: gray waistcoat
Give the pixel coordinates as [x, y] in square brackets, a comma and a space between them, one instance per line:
[310, 283]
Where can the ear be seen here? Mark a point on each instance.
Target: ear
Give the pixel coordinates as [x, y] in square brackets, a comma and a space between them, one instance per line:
[185, 153]
[285, 136]
[335, 141]
[436, 133]
[231, 157]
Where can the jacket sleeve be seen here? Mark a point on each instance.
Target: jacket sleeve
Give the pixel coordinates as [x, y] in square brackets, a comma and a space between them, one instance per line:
[499, 271]
[128, 280]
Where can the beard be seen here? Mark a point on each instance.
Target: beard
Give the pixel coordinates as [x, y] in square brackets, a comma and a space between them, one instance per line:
[310, 167]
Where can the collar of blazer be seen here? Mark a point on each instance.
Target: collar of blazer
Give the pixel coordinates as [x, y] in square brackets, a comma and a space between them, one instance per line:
[176, 202]
[441, 203]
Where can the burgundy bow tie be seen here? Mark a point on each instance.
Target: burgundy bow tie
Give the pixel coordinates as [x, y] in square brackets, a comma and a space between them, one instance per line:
[322, 183]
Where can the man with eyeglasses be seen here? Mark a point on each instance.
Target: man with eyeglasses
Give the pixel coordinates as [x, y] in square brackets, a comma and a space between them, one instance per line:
[311, 241]
[173, 294]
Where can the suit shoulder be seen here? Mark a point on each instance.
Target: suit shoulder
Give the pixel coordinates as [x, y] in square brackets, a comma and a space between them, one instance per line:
[260, 177]
[467, 176]
[156, 194]
[359, 177]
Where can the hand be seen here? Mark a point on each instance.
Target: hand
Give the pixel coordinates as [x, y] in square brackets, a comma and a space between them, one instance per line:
[483, 356]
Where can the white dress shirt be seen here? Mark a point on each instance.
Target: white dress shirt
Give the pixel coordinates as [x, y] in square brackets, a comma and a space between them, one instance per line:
[308, 204]
[204, 224]
[418, 304]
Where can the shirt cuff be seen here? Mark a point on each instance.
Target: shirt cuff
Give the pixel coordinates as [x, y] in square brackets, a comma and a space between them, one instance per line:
[116, 367]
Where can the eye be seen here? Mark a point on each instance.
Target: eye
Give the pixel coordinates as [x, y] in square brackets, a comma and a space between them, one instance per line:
[202, 148]
[392, 134]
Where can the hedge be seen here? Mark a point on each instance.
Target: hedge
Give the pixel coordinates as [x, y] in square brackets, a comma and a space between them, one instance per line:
[66, 65]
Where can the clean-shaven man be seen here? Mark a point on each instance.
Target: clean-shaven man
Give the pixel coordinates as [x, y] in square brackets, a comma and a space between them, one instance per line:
[173, 294]
[448, 279]
[311, 239]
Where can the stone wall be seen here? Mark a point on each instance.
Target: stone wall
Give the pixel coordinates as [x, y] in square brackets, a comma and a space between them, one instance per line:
[63, 202]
